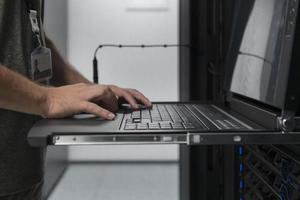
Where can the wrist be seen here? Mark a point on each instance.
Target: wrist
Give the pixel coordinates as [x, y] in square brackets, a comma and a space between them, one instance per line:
[43, 101]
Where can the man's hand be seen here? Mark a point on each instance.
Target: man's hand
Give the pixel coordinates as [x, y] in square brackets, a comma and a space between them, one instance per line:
[100, 100]
[96, 99]
[131, 96]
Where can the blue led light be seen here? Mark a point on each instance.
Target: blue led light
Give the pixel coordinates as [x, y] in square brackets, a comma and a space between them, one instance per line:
[241, 168]
[241, 151]
[241, 184]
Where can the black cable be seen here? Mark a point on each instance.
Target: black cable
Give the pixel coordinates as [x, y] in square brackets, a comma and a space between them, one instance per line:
[257, 56]
[95, 61]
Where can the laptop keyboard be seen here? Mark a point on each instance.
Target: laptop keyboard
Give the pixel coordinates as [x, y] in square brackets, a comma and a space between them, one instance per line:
[163, 117]
[179, 117]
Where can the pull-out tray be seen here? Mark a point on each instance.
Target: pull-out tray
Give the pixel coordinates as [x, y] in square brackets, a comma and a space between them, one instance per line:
[87, 132]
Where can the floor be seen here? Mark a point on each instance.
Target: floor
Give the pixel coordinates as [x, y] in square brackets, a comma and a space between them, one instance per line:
[114, 181]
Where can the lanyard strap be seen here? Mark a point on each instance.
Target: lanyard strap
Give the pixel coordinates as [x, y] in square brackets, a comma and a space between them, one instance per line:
[33, 21]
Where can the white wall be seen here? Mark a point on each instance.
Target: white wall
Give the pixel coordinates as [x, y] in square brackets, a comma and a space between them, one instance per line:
[153, 71]
[120, 153]
[55, 23]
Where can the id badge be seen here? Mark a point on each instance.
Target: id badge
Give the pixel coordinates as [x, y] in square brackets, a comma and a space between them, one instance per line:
[41, 64]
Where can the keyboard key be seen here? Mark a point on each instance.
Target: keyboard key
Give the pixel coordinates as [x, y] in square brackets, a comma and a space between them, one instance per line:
[154, 126]
[142, 126]
[156, 119]
[165, 117]
[136, 114]
[233, 124]
[136, 120]
[145, 114]
[145, 120]
[223, 124]
[177, 126]
[165, 125]
[175, 119]
[189, 126]
[130, 127]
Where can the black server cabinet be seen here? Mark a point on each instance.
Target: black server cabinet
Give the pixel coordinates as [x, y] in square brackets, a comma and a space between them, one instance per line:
[269, 172]
[204, 25]
[251, 172]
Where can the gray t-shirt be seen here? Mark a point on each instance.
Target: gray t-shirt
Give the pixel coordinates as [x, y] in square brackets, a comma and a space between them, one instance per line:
[21, 166]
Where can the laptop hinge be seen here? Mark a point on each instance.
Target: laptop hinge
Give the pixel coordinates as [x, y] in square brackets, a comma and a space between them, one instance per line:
[287, 121]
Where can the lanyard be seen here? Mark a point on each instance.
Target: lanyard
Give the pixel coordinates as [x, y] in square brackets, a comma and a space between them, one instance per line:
[41, 61]
[32, 14]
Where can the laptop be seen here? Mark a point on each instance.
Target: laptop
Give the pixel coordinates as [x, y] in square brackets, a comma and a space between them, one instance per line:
[262, 97]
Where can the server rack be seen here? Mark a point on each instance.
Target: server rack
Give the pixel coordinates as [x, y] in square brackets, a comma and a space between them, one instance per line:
[206, 172]
[251, 172]
[269, 172]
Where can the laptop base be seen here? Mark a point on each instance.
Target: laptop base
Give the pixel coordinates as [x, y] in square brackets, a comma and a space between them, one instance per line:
[94, 131]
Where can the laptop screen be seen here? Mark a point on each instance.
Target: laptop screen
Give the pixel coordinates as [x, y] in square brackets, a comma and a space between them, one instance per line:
[256, 68]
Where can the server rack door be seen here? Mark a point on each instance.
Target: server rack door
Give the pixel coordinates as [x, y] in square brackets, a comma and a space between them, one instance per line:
[206, 26]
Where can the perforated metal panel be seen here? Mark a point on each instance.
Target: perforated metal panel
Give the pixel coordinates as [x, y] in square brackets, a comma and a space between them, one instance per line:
[269, 172]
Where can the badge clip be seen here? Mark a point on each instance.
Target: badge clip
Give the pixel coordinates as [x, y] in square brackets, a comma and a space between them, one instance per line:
[35, 25]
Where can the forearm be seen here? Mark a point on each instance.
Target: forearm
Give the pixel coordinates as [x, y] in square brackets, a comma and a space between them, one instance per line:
[20, 94]
[63, 72]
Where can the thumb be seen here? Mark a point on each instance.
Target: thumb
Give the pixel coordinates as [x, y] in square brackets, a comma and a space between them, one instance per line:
[92, 108]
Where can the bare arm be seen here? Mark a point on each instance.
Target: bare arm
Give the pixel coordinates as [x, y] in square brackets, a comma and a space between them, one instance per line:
[65, 74]
[20, 94]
